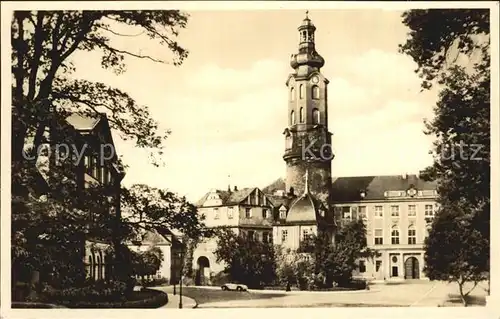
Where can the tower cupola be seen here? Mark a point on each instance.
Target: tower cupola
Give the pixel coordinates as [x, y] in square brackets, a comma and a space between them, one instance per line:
[307, 55]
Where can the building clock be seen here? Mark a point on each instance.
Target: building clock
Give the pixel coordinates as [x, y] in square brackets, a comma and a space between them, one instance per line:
[315, 79]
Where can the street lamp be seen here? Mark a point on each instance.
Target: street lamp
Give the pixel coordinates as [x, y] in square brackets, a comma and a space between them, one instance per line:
[181, 257]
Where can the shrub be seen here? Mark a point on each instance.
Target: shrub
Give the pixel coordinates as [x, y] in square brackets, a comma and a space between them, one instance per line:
[187, 281]
[220, 279]
[94, 292]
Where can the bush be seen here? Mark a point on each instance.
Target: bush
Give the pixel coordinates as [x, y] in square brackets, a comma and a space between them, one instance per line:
[187, 281]
[93, 292]
[155, 282]
[145, 298]
[220, 279]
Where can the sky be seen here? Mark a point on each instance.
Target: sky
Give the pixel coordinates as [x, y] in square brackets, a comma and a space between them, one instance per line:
[226, 105]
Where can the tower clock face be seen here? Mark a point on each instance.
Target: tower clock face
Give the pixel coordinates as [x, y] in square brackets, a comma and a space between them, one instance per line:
[315, 79]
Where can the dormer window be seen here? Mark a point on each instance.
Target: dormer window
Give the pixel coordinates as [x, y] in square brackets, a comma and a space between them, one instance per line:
[282, 212]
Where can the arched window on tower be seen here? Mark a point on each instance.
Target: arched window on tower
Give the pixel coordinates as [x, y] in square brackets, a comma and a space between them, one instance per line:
[315, 92]
[316, 116]
[292, 118]
[292, 94]
[301, 115]
[301, 93]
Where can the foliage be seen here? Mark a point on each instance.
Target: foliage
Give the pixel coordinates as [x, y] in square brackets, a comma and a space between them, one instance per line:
[461, 125]
[105, 295]
[148, 208]
[249, 262]
[437, 35]
[90, 291]
[42, 45]
[147, 262]
[336, 263]
[48, 233]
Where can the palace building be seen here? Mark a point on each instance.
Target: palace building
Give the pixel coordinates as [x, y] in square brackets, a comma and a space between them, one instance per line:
[397, 210]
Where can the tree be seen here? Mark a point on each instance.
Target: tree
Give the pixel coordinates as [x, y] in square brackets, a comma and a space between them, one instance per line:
[147, 263]
[47, 235]
[149, 208]
[248, 261]
[336, 262]
[461, 125]
[42, 45]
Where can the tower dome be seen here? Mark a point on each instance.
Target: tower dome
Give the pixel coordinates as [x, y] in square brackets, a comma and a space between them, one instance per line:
[307, 56]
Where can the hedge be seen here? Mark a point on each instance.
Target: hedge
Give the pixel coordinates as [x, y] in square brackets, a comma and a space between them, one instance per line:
[155, 299]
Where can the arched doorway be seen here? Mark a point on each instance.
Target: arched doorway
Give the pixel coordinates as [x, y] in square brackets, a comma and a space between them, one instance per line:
[412, 269]
[203, 271]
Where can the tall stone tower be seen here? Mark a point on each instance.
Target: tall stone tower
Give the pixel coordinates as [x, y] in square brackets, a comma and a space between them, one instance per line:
[308, 141]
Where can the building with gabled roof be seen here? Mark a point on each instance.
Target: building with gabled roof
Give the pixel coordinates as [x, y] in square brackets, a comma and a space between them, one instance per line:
[82, 152]
[247, 211]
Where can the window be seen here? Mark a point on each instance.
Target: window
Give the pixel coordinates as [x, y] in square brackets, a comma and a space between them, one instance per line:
[362, 266]
[248, 213]
[379, 239]
[378, 264]
[292, 94]
[395, 236]
[94, 167]
[230, 213]
[105, 175]
[379, 211]
[412, 210]
[251, 235]
[301, 115]
[316, 116]
[216, 213]
[362, 212]
[315, 92]
[265, 213]
[429, 211]
[265, 237]
[301, 88]
[284, 235]
[346, 212]
[412, 235]
[292, 118]
[283, 213]
[306, 234]
[395, 211]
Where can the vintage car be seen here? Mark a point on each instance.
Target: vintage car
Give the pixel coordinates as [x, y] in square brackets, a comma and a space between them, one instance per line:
[232, 286]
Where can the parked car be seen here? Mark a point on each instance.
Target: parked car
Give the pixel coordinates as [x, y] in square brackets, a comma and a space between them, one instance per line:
[237, 287]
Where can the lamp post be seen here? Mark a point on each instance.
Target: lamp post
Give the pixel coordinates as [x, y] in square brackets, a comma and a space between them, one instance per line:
[181, 255]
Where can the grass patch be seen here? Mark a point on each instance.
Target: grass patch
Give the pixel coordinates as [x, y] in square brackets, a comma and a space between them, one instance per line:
[454, 300]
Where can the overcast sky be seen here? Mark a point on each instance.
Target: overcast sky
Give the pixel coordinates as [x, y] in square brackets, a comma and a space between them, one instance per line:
[227, 104]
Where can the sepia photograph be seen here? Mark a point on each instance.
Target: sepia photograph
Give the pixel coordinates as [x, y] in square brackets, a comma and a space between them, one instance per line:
[295, 156]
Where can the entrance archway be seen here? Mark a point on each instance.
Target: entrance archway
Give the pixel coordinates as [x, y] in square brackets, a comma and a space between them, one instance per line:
[412, 269]
[203, 271]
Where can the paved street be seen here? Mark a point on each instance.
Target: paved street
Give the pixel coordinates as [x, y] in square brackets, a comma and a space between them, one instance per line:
[415, 294]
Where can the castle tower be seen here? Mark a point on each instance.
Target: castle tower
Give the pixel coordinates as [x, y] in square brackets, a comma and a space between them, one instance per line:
[307, 139]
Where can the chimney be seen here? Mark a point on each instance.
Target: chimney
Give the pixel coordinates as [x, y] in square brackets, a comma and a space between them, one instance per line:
[404, 176]
[229, 188]
[235, 188]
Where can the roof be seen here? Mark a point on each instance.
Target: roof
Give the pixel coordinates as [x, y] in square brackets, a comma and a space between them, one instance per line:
[81, 122]
[303, 209]
[229, 197]
[345, 189]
